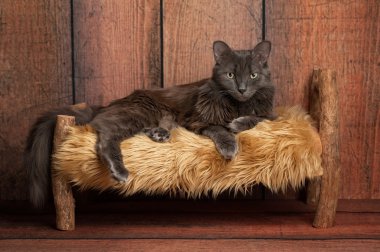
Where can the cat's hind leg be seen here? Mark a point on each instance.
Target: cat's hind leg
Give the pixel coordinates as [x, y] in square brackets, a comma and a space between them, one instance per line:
[109, 152]
[157, 134]
[162, 132]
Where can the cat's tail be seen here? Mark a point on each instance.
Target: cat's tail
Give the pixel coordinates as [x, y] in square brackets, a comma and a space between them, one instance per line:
[38, 149]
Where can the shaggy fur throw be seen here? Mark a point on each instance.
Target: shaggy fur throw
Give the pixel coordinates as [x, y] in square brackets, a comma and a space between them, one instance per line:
[277, 154]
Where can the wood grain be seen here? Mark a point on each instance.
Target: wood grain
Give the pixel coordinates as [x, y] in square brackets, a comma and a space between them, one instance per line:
[174, 225]
[63, 196]
[343, 36]
[35, 76]
[116, 48]
[190, 28]
[159, 245]
[205, 206]
[325, 86]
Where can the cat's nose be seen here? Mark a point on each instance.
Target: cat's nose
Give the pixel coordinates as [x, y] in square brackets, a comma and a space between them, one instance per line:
[242, 90]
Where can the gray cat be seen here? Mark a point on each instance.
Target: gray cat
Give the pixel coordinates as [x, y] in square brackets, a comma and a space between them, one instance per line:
[237, 97]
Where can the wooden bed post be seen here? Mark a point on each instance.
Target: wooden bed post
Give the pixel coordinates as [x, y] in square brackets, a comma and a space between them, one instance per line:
[324, 109]
[63, 197]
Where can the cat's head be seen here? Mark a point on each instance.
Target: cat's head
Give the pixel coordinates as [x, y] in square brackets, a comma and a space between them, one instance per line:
[240, 73]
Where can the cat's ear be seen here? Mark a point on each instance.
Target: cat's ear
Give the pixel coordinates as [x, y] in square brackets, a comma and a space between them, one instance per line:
[261, 51]
[220, 48]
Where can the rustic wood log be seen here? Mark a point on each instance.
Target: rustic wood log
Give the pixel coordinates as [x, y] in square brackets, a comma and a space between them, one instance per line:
[63, 197]
[313, 187]
[324, 108]
[313, 192]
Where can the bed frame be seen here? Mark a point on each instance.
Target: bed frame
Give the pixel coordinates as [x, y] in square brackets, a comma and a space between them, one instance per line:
[322, 192]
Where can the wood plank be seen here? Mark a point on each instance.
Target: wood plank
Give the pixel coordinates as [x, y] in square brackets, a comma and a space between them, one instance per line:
[189, 245]
[35, 76]
[116, 48]
[344, 36]
[191, 206]
[169, 225]
[190, 28]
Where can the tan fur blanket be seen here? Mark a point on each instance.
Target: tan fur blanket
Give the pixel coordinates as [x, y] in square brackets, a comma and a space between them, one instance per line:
[276, 154]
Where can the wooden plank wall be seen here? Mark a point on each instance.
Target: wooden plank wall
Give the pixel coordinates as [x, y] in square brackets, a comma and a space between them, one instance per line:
[345, 36]
[119, 46]
[190, 28]
[35, 75]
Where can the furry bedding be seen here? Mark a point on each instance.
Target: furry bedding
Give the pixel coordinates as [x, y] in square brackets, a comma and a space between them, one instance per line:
[277, 154]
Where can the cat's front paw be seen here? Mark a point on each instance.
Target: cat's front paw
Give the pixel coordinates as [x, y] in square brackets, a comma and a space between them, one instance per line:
[228, 148]
[243, 123]
[157, 134]
[239, 124]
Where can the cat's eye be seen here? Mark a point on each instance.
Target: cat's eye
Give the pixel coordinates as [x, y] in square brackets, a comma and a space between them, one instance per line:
[230, 75]
[254, 76]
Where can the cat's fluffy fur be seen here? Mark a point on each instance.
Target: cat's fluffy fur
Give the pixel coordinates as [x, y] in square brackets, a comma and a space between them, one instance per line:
[276, 153]
[238, 95]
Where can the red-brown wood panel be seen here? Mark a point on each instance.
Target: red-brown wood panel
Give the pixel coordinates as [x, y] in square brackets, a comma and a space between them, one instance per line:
[169, 245]
[344, 36]
[35, 75]
[150, 224]
[190, 28]
[116, 48]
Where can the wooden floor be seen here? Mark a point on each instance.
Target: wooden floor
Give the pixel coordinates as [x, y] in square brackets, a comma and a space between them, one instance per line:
[172, 225]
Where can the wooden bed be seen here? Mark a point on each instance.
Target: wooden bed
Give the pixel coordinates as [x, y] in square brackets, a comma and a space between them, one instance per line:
[322, 191]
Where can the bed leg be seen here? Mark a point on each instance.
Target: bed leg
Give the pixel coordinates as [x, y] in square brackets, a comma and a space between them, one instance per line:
[63, 197]
[313, 191]
[324, 108]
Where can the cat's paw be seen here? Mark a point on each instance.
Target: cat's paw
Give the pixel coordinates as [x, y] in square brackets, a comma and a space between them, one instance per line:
[157, 134]
[243, 123]
[239, 124]
[228, 148]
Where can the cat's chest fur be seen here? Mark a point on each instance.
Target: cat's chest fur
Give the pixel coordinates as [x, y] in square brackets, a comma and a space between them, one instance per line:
[219, 108]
